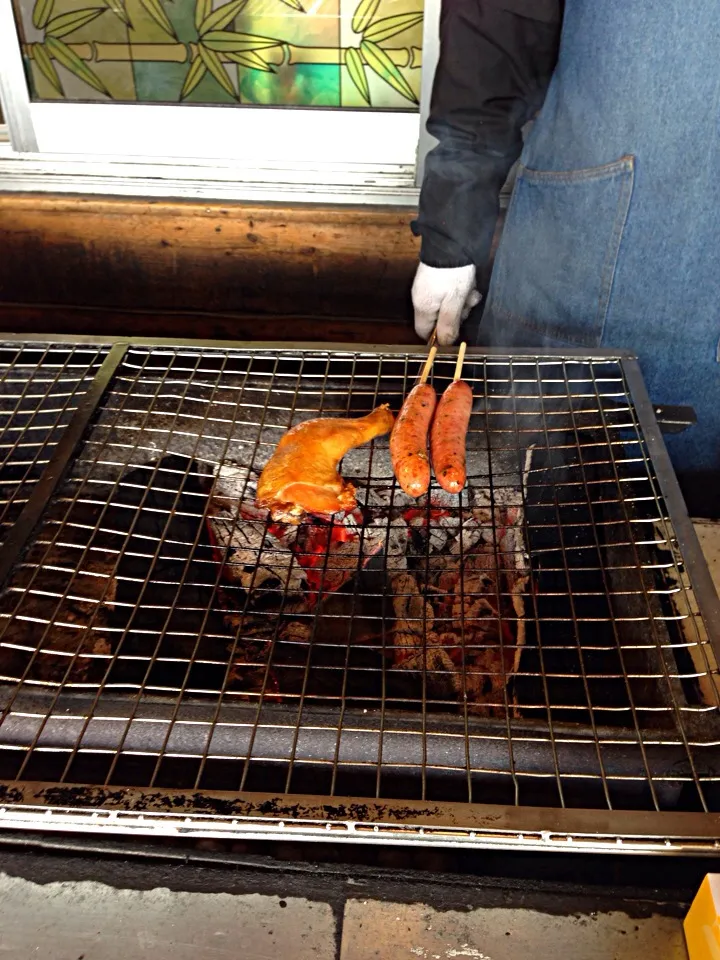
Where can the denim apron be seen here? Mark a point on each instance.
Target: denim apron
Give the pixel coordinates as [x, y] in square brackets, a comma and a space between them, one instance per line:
[612, 237]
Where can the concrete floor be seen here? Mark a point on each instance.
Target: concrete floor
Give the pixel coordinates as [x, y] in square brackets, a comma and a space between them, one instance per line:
[94, 921]
[372, 931]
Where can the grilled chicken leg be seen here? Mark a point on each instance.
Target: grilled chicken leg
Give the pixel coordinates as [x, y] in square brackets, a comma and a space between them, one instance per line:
[302, 477]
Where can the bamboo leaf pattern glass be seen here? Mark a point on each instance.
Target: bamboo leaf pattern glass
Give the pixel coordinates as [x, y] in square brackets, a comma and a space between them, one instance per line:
[46, 67]
[222, 17]
[359, 54]
[157, 12]
[42, 11]
[119, 9]
[65, 55]
[356, 68]
[66, 23]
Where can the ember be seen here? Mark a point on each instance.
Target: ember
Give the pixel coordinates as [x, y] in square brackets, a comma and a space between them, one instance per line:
[455, 605]
[331, 554]
[456, 584]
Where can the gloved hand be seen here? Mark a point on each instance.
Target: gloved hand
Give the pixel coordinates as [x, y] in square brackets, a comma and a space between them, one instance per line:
[443, 296]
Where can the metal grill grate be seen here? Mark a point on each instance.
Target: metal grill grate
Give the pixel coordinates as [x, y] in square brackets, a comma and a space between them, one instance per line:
[535, 643]
[40, 386]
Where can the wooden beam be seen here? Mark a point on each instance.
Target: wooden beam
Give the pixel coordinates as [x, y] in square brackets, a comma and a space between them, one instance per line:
[177, 259]
[100, 321]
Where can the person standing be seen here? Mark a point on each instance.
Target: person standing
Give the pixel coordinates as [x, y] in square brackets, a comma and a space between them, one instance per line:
[612, 236]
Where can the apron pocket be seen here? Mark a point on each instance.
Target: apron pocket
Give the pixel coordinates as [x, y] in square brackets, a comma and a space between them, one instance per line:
[556, 261]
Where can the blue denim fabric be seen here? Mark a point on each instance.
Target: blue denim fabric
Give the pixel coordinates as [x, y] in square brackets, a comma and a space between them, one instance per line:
[612, 237]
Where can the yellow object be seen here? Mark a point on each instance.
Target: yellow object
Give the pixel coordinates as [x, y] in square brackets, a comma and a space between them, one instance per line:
[702, 923]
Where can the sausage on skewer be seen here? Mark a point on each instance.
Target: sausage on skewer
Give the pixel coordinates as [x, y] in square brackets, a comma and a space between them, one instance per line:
[449, 432]
[409, 438]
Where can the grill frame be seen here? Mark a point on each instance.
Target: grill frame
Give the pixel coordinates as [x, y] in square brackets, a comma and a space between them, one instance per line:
[165, 812]
[59, 378]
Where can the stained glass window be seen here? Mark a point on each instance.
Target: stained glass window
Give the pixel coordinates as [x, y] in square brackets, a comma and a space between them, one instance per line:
[361, 54]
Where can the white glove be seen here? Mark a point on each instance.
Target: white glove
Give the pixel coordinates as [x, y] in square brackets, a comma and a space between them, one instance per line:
[443, 296]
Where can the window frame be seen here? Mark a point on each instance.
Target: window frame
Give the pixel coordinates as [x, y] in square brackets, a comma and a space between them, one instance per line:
[371, 157]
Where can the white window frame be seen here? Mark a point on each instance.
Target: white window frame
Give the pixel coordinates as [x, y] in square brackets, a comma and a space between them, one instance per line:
[223, 152]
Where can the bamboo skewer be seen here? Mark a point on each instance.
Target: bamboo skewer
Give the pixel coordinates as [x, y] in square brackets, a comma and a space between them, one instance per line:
[460, 361]
[428, 365]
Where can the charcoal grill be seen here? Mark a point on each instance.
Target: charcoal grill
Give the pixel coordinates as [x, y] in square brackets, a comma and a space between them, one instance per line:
[530, 665]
